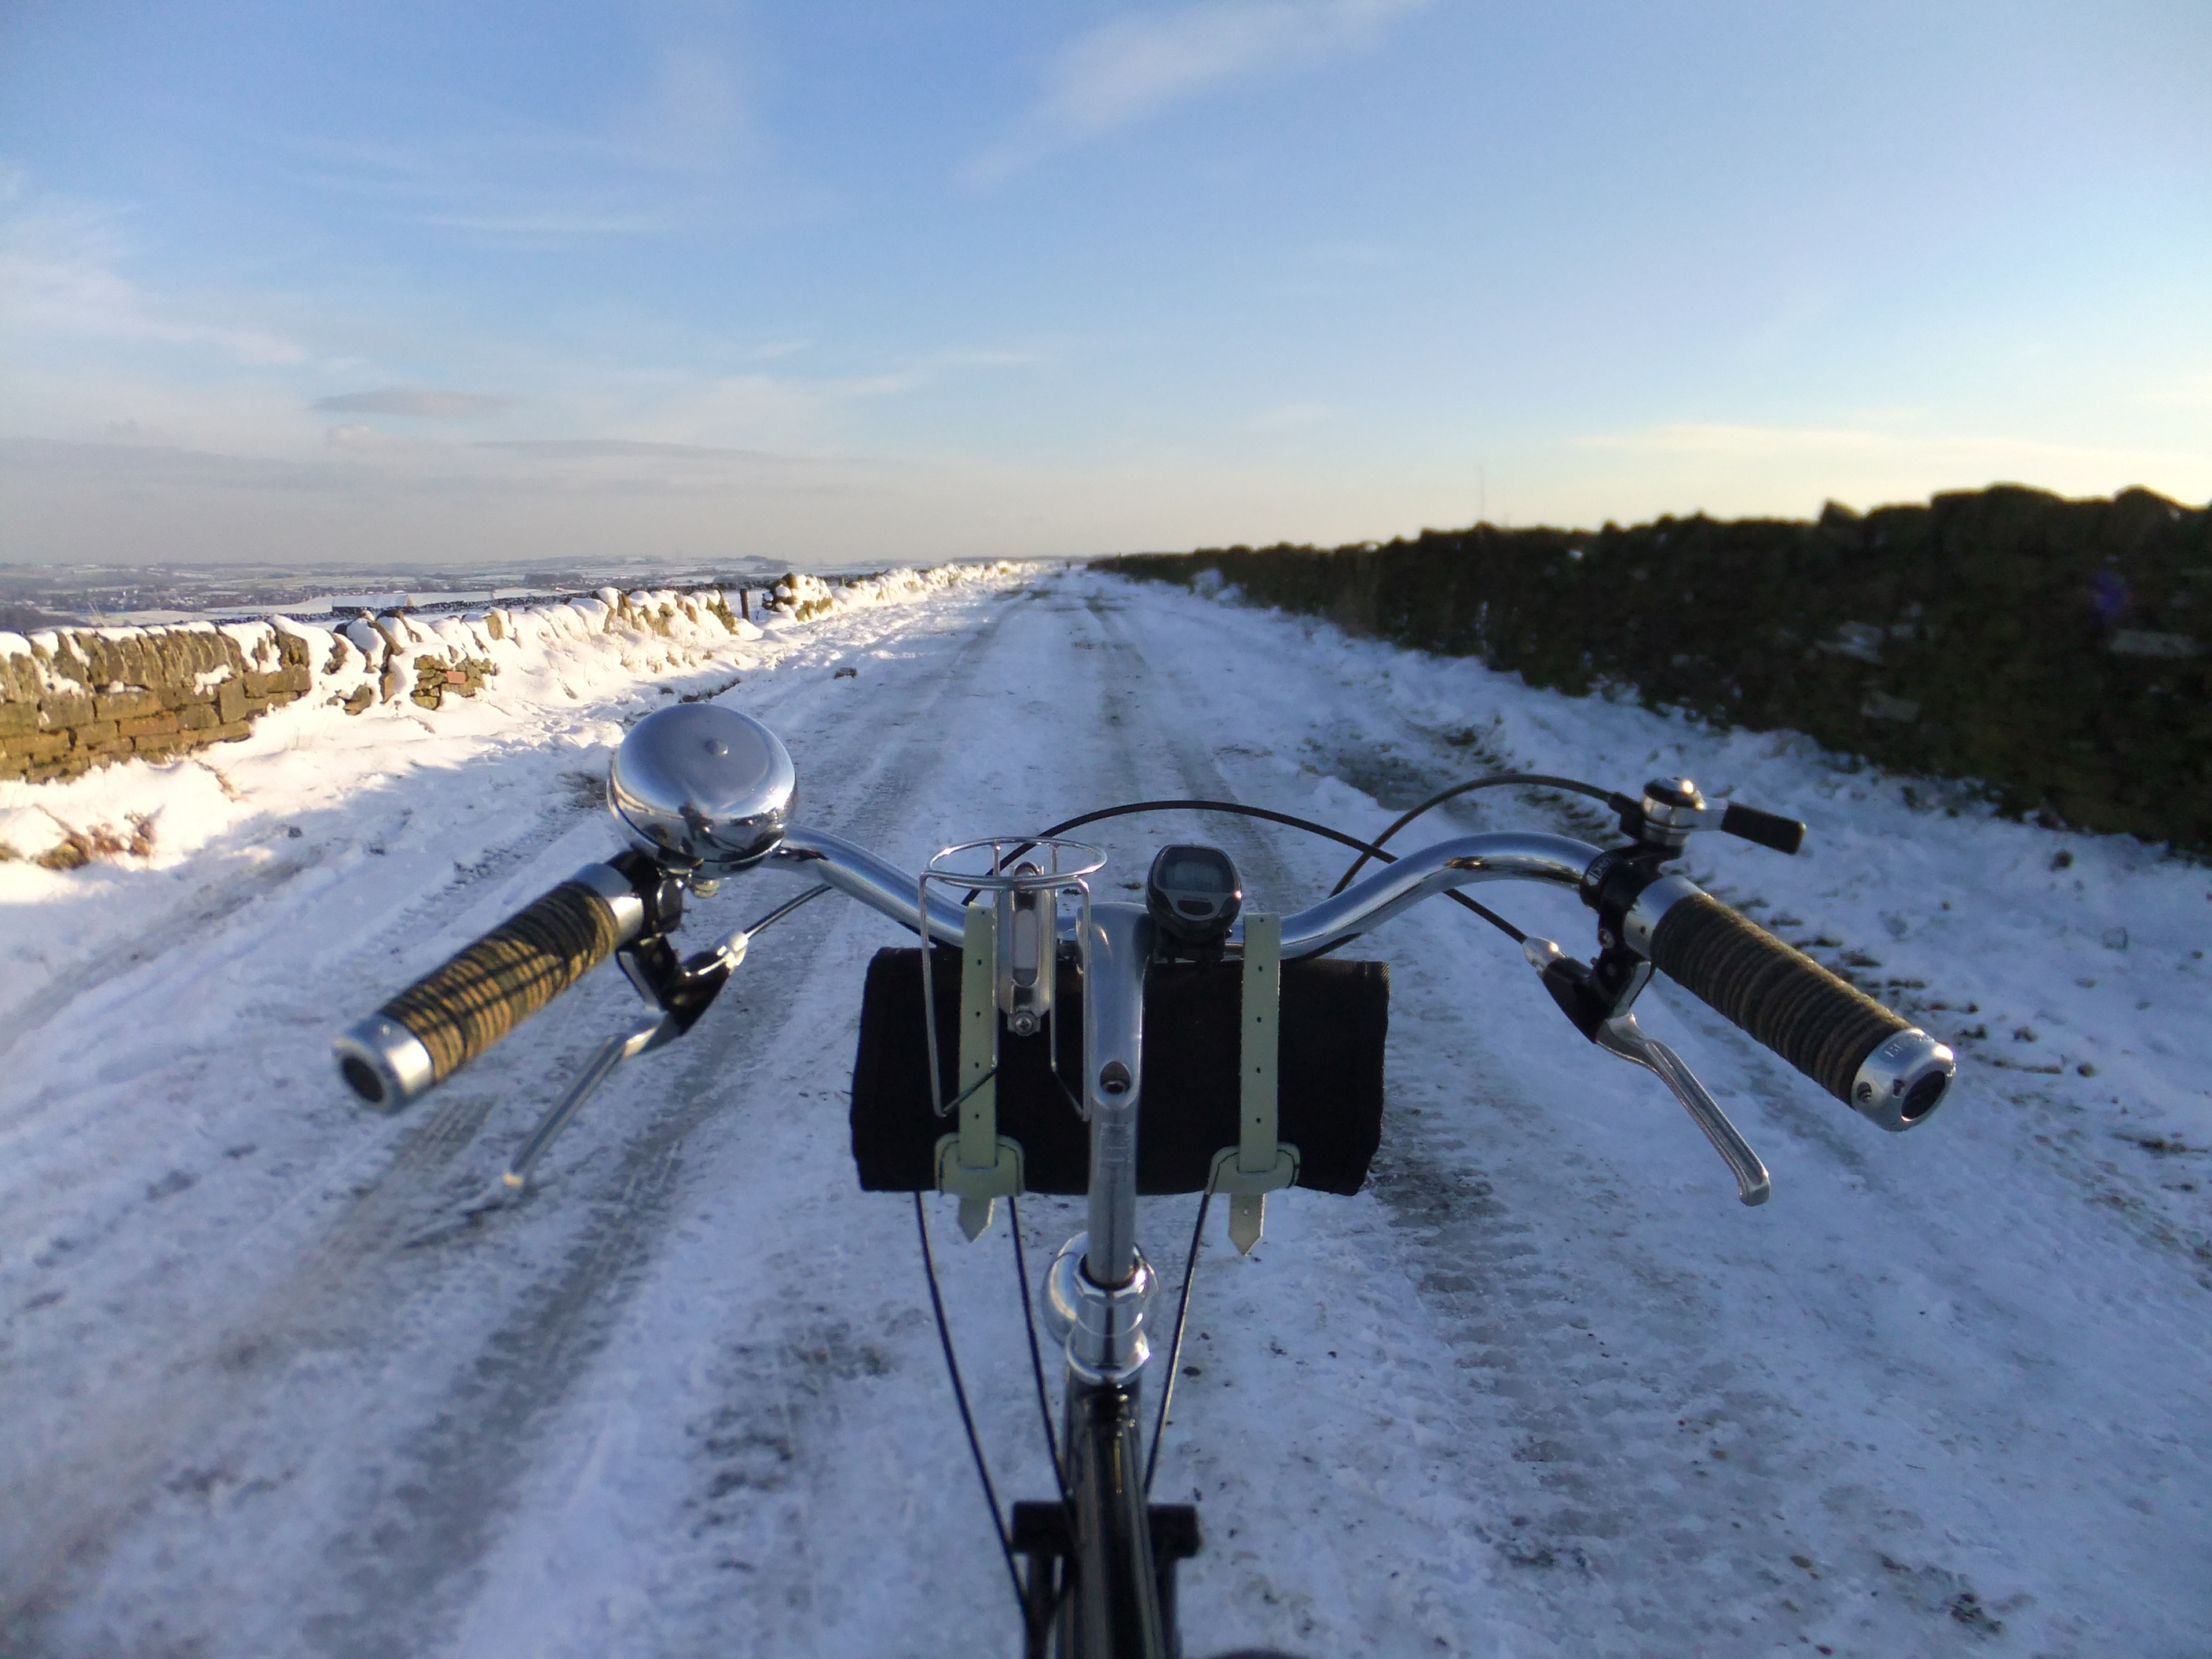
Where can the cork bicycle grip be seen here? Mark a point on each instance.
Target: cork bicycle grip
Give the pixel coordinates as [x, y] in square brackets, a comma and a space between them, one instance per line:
[450, 1015]
[1843, 1039]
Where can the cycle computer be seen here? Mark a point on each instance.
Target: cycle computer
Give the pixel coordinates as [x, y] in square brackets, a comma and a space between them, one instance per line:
[1193, 893]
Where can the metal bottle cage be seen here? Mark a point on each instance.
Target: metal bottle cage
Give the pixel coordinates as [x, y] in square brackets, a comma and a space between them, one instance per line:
[1025, 879]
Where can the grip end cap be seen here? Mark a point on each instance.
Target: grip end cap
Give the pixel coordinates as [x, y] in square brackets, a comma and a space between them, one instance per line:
[1904, 1080]
[383, 1062]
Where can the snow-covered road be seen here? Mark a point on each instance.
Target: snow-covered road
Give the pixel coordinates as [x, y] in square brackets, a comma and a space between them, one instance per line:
[1544, 1388]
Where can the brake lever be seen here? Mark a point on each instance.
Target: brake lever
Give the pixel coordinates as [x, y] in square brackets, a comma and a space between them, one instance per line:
[660, 1029]
[679, 991]
[1622, 1035]
[1602, 1013]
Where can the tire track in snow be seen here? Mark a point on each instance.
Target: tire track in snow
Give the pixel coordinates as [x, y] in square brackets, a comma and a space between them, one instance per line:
[360, 1279]
[1735, 1477]
[1578, 1452]
[764, 1562]
[407, 1562]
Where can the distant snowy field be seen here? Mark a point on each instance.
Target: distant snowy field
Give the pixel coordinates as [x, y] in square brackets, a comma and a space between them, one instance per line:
[1544, 1388]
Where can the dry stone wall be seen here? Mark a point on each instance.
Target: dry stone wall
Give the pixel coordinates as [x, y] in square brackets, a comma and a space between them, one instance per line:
[2059, 652]
[75, 699]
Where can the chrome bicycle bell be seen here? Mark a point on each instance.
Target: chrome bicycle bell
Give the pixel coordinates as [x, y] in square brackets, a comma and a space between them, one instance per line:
[702, 790]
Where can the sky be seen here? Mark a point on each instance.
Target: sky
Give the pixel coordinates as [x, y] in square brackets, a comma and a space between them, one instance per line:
[300, 283]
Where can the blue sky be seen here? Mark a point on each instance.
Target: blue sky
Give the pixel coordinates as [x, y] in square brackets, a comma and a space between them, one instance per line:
[303, 282]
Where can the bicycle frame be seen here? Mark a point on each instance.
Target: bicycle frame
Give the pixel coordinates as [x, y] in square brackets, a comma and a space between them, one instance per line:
[1099, 1288]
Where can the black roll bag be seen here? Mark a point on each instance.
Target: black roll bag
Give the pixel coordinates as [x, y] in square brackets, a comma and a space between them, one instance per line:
[1335, 1018]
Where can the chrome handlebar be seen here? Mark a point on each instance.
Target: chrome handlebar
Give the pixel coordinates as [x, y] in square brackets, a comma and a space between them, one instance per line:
[878, 882]
[1500, 855]
[706, 792]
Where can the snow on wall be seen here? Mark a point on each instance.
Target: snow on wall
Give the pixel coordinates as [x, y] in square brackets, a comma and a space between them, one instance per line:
[76, 699]
[75, 702]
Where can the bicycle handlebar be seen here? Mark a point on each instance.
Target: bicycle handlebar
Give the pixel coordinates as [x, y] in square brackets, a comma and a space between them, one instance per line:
[1868, 1057]
[1498, 855]
[1859, 1051]
[454, 1013]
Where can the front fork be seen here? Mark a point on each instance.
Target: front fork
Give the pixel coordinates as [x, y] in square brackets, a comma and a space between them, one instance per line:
[1114, 1606]
[1101, 1569]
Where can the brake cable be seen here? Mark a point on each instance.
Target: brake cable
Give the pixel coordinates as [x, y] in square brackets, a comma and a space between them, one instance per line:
[960, 1397]
[1497, 780]
[1175, 1346]
[1366, 849]
[1036, 1356]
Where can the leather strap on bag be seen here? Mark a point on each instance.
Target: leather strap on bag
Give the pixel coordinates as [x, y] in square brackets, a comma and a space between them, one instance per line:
[977, 1162]
[1258, 1164]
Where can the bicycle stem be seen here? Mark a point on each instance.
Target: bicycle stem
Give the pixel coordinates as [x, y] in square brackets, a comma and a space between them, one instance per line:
[1113, 1045]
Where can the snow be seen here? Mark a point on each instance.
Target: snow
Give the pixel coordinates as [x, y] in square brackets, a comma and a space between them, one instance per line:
[1544, 1388]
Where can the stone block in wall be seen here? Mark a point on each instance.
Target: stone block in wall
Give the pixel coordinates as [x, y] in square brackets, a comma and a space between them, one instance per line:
[296, 678]
[135, 704]
[232, 731]
[359, 702]
[18, 717]
[78, 657]
[35, 745]
[196, 716]
[394, 683]
[149, 726]
[257, 684]
[93, 733]
[231, 701]
[59, 708]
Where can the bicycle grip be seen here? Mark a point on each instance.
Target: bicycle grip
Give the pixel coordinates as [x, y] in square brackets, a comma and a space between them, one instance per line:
[1882, 1066]
[1763, 829]
[453, 1013]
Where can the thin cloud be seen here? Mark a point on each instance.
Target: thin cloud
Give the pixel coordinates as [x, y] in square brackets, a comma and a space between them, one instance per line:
[1135, 66]
[666, 162]
[358, 464]
[584, 449]
[59, 277]
[427, 402]
[1846, 445]
[2190, 391]
[1750, 442]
